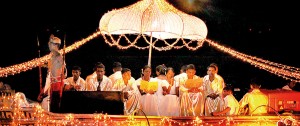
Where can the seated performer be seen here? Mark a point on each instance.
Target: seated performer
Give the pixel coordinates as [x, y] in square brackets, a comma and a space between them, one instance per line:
[173, 89]
[100, 82]
[149, 98]
[168, 104]
[256, 100]
[229, 106]
[117, 68]
[213, 85]
[131, 92]
[75, 83]
[191, 97]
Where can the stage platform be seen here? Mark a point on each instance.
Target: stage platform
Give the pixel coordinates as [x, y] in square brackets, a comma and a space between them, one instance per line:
[35, 116]
[12, 114]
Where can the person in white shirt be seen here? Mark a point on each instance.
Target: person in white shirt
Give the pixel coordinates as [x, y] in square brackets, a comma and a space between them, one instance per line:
[229, 106]
[75, 83]
[290, 85]
[168, 100]
[94, 74]
[117, 68]
[173, 89]
[191, 96]
[181, 75]
[255, 100]
[149, 97]
[100, 82]
[131, 92]
[213, 87]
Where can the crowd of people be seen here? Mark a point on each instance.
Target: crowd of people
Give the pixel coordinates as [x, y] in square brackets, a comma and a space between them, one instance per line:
[167, 94]
[162, 94]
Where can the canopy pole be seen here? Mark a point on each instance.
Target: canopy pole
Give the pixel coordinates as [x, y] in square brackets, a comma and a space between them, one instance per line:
[150, 50]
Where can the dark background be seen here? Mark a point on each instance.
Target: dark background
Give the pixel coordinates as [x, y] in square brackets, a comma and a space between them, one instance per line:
[263, 28]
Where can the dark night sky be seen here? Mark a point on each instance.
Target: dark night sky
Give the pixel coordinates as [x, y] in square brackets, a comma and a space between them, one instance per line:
[262, 28]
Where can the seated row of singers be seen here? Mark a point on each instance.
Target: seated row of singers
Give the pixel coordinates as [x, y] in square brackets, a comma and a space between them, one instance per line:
[154, 96]
[185, 94]
[143, 94]
[198, 96]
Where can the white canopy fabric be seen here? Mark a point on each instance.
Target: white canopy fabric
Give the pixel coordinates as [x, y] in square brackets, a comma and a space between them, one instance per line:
[155, 18]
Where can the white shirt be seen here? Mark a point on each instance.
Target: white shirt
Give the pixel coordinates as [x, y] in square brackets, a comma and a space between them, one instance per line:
[115, 76]
[216, 86]
[173, 88]
[180, 77]
[93, 75]
[121, 86]
[93, 83]
[232, 103]
[286, 87]
[80, 81]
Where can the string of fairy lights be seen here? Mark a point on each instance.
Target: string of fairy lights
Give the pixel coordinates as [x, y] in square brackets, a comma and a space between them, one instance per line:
[281, 70]
[164, 45]
[25, 66]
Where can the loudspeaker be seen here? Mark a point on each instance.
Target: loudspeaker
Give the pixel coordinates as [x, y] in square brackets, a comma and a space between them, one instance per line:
[88, 102]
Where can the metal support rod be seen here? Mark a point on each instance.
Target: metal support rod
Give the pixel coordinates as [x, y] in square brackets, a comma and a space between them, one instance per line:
[150, 51]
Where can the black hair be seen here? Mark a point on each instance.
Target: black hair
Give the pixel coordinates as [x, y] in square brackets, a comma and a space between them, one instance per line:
[213, 66]
[255, 82]
[228, 88]
[170, 68]
[161, 69]
[124, 70]
[144, 68]
[76, 68]
[117, 65]
[157, 68]
[191, 66]
[183, 68]
[99, 65]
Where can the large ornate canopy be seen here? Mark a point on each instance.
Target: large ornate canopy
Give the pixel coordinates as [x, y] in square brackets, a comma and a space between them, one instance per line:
[154, 18]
